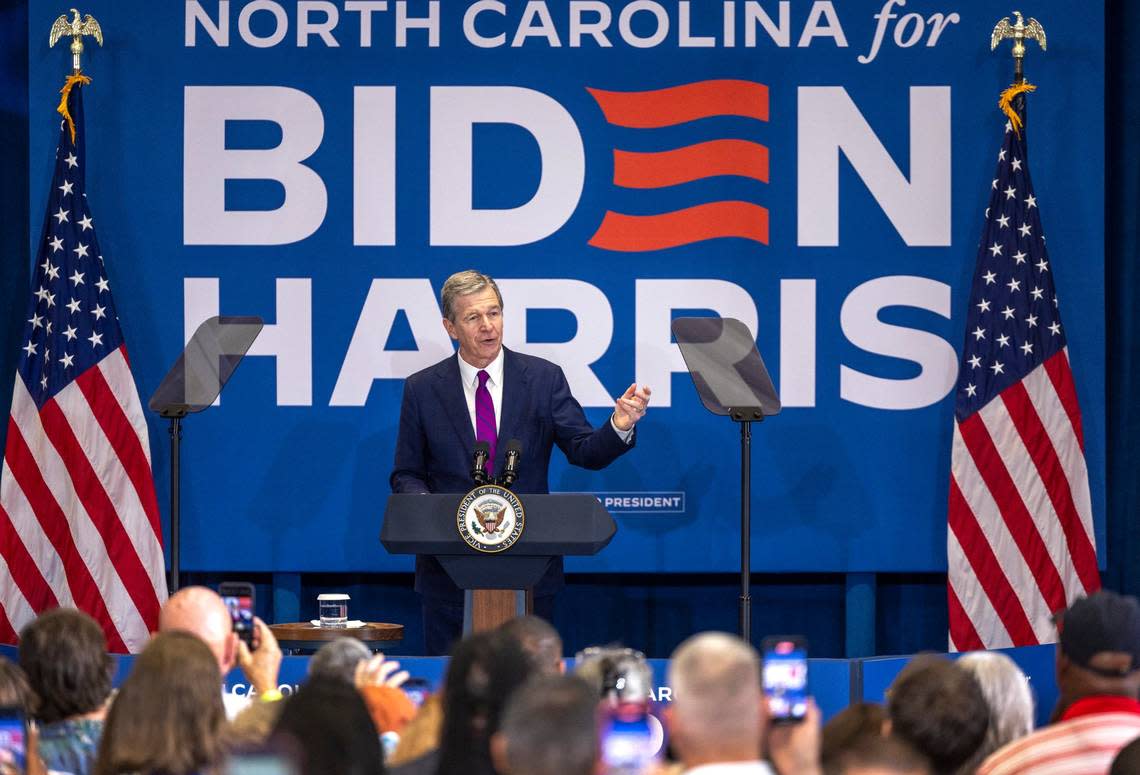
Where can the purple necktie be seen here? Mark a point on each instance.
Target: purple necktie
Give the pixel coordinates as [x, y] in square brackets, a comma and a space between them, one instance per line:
[485, 429]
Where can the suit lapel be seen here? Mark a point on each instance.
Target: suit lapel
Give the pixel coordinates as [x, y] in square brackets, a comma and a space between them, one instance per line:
[516, 397]
[449, 389]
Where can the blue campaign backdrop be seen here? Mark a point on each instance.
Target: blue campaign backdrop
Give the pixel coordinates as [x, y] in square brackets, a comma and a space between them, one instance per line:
[292, 466]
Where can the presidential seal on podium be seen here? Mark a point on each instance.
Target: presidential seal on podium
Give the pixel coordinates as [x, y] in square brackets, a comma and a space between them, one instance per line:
[490, 518]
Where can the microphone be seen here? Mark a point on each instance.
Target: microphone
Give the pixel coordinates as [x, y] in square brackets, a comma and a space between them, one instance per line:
[511, 468]
[479, 462]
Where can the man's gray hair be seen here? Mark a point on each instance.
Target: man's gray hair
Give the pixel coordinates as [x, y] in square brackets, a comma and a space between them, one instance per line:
[461, 284]
[716, 690]
[1008, 696]
[338, 659]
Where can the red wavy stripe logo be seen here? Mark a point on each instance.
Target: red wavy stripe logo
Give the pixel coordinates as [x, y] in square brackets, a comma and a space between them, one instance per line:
[678, 104]
[635, 233]
[693, 162]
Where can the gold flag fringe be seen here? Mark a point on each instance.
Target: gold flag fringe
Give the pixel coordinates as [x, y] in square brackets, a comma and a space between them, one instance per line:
[72, 80]
[1006, 103]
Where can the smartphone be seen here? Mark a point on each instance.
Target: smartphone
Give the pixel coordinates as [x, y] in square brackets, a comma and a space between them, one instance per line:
[628, 744]
[260, 763]
[785, 678]
[417, 690]
[14, 737]
[238, 597]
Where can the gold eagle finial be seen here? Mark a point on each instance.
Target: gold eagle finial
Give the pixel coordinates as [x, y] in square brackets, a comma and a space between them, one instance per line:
[76, 29]
[1018, 32]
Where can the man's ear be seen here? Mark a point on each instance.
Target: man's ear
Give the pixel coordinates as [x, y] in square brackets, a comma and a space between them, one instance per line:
[499, 753]
[1063, 665]
[885, 729]
[449, 327]
[229, 654]
[674, 729]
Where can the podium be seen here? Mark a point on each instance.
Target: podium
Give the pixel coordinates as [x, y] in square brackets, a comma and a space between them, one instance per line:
[496, 586]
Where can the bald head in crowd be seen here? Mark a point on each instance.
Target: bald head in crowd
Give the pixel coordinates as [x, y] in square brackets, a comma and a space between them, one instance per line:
[540, 641]
[717, 711]
[201, 612]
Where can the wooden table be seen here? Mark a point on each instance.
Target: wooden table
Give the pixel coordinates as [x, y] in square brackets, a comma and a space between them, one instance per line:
[305, 636]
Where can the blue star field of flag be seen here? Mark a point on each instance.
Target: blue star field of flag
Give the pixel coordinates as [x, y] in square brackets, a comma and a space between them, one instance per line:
[71, 323]
[1013, 324]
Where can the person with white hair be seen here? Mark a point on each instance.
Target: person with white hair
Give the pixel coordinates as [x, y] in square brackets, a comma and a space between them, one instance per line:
[1009, 698]
[718, 720]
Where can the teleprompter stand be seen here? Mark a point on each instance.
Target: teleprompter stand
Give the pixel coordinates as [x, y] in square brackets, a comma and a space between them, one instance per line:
[193, 384]
[731, 380]
[496, 586]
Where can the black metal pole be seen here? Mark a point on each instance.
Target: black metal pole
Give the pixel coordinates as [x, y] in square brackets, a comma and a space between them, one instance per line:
[175, 500]
[746, 530]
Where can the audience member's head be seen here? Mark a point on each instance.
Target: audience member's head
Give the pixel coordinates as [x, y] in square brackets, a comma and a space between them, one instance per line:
[1098, 652]
[540, 641]
[328, 726]
[617, 674]
[484, 671]
[849, 728]
[168, 715]
[64, 655]
[1010, 701]
[1127, 761]
[201, 612]
[14, 689]
[338, 659]
[549, 727]
[717, 714]
[878, 755]
[937, 707]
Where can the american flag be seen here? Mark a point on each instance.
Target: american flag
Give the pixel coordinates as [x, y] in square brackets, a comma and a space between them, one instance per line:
[79, 522]
[1020, 543]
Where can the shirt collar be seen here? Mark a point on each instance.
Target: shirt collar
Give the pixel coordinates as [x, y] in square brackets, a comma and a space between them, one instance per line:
[1101, 703]
[470, 374]
[727, 768]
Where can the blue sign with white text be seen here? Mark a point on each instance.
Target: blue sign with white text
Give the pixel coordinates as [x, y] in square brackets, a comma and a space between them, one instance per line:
[817, 170]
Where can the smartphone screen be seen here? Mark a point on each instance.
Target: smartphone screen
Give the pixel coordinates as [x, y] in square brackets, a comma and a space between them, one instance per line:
[785, 679]
[259, 764]
[13, 738]
[238, 597]
[628, 743]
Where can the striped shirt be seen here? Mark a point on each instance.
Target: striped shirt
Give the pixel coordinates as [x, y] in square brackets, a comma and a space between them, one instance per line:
[1086, 740]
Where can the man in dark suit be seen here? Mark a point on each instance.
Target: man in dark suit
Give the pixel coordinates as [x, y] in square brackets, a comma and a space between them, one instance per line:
[488, 393]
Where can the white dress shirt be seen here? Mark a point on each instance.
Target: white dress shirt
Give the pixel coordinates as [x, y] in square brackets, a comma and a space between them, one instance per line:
[470, 376]
[733, 768]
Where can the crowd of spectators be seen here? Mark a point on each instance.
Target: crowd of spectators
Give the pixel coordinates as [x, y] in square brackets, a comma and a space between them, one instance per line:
[508, 707]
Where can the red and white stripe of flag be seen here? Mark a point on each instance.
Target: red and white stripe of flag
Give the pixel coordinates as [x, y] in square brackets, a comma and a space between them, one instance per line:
[1020, 540]
[79, 522]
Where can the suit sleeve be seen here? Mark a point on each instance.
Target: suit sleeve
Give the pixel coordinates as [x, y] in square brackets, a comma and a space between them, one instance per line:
[583, 445]
[409, 471]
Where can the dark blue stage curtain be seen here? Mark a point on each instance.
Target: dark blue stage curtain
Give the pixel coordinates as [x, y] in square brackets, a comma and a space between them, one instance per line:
[1122, 291]
[14, 261]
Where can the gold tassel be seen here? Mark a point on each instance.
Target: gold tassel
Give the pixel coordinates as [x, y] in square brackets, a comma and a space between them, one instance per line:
[66, 92]
[1006, 103]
